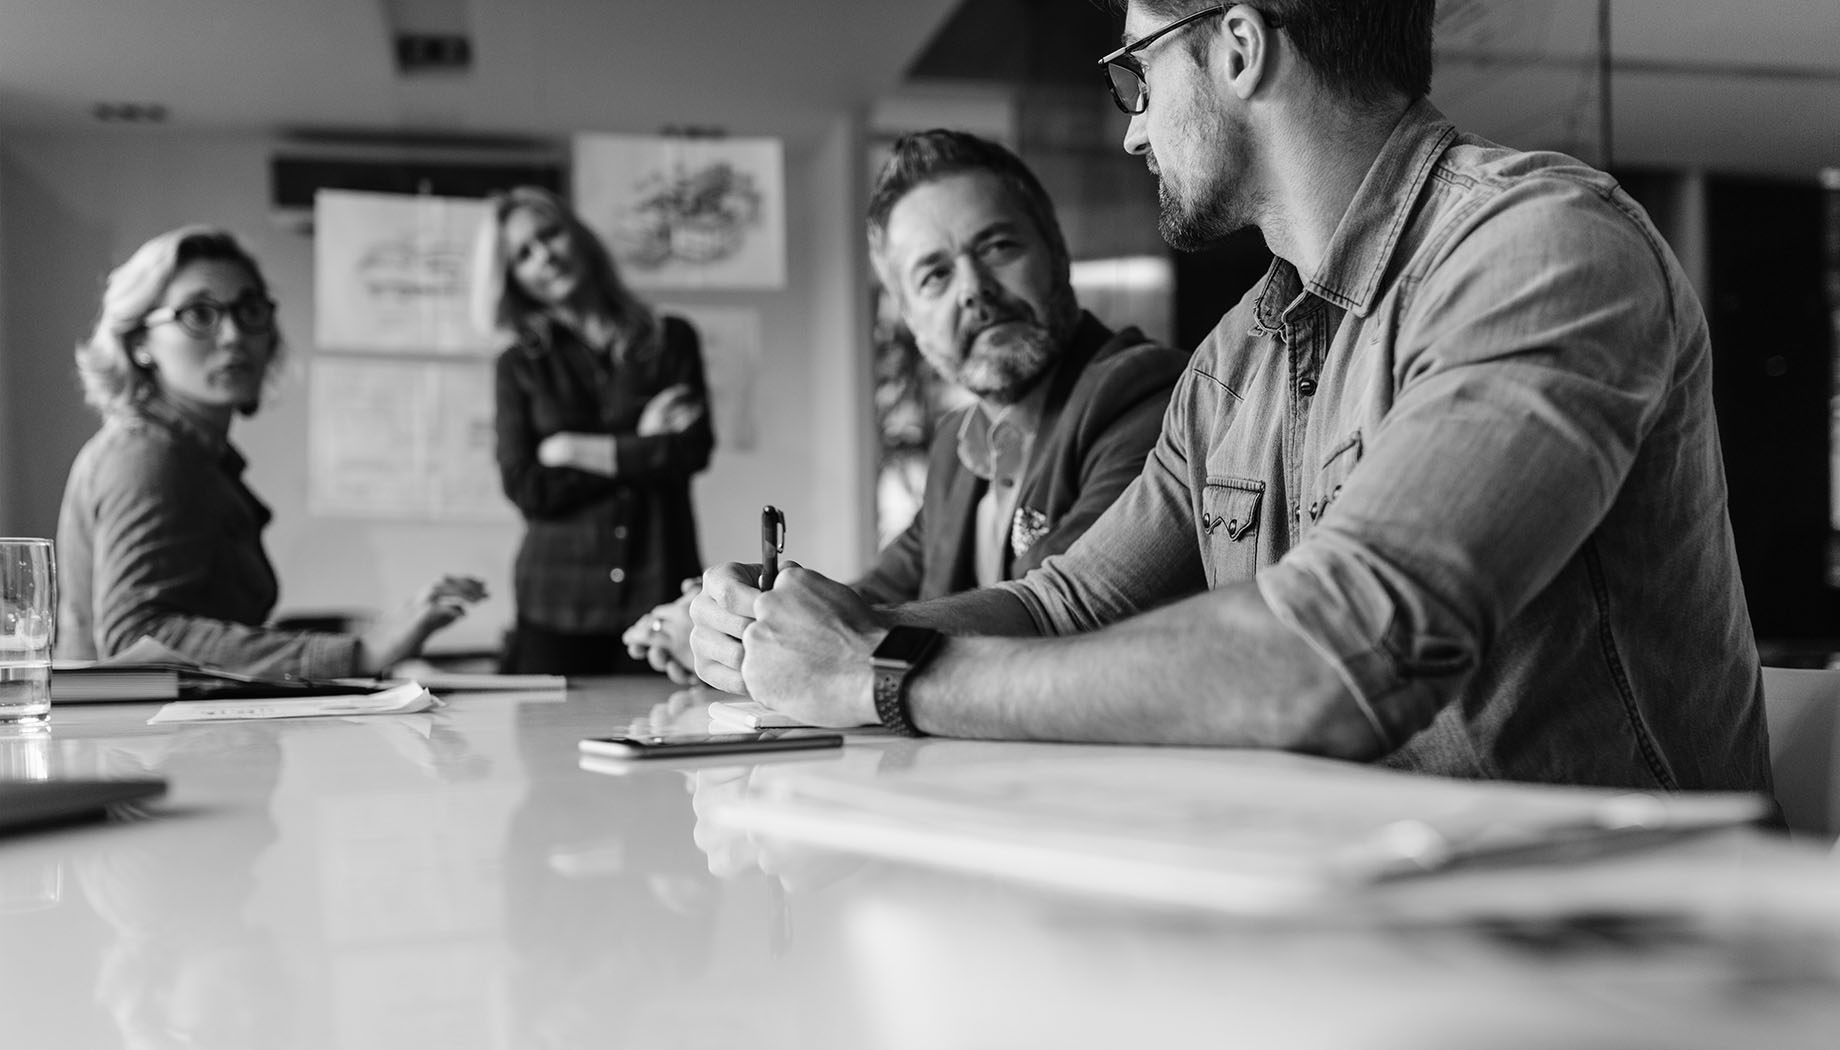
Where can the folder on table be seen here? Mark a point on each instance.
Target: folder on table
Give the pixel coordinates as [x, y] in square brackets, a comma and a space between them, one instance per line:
[1227, 830]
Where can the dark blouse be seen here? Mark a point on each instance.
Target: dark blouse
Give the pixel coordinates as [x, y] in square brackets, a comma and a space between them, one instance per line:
[158, 536]
[600, 552]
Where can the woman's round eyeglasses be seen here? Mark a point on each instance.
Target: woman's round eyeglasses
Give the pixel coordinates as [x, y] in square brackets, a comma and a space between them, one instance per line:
[253, 313]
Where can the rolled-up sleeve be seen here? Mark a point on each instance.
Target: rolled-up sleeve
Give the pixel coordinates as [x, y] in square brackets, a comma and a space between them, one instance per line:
[1139, 554]
[1530, 360]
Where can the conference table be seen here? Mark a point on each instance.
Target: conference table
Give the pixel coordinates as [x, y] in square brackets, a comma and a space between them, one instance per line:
[456, 879]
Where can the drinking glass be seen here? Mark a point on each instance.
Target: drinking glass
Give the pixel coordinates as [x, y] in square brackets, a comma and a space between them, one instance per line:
[28, 616]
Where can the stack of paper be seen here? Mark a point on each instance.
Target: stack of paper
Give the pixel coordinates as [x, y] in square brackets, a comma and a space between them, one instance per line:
[1226, 830]
[406, 698]
[751, 714]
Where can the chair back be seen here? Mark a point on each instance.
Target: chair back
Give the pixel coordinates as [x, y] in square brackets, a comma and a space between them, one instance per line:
[1802, 709]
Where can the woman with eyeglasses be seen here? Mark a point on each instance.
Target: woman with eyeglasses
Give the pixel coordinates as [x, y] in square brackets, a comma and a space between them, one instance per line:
[602, 421]
[158, 536]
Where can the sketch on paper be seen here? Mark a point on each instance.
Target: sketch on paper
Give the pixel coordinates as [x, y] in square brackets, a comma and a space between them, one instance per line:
[392, 273]
[686, 213]
[731, 363]
[403, 439]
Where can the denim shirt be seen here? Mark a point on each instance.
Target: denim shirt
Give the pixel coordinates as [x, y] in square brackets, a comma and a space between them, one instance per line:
[159, 536]
[1472, 460]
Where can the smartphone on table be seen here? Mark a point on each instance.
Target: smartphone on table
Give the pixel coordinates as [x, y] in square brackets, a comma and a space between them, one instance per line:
[687, 745]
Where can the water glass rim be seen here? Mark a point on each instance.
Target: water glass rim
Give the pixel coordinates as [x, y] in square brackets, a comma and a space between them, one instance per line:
[26, 539]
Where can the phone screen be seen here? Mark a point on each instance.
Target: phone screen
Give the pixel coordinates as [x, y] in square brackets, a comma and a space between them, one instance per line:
[676, 745]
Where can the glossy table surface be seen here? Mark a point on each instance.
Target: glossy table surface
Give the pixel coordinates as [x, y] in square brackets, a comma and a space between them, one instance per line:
[455, 879]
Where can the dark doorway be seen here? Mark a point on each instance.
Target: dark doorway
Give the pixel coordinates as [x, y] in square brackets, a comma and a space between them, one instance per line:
[1772, 380]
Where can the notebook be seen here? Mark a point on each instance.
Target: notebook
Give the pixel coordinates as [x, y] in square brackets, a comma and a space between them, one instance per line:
[751, 714]
[87, 683]
[29, 804]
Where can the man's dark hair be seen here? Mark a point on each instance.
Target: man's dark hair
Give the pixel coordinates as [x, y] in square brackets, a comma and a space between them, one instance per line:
[928, 156]
[1363, 49]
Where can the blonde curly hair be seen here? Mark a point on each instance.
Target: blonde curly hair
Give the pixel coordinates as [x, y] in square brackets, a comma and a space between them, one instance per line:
[111, 378]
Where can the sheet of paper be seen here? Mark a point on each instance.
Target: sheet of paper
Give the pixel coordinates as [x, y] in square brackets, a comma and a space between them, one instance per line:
[751, 714]
[392, 273]
[686, 213]
[403, 699]
[455, 682]
[403, 439]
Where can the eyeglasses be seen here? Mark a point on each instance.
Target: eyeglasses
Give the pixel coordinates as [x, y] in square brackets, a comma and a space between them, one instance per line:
[253, 313]
[1124, 74]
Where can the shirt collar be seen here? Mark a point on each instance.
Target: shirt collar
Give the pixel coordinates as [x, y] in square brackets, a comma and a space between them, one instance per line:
[993, 440]
[544, 332]
[177, 422]
[1368, 234]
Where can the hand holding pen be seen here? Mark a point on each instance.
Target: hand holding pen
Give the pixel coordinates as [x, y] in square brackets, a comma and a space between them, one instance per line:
[724, 607]
[772, 542]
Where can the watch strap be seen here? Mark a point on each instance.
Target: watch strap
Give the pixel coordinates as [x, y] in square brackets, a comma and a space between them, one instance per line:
[891, 679]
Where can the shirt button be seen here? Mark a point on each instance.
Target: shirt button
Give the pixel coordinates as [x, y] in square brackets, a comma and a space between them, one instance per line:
[617, 575]
[619, 532]
[1306, 386]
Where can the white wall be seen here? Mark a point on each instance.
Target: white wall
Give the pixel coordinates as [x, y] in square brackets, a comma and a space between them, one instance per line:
[72, 205]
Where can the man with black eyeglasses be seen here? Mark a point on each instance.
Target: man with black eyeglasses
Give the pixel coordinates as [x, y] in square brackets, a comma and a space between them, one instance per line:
[1451, 467]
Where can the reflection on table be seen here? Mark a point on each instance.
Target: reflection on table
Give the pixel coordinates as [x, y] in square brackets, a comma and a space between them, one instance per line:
[457, 879]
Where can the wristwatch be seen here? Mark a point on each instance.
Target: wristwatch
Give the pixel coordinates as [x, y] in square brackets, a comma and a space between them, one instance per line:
[901, 653]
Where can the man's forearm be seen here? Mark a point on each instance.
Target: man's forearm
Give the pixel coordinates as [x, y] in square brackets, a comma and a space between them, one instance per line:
[1215, 669]
[983, 611]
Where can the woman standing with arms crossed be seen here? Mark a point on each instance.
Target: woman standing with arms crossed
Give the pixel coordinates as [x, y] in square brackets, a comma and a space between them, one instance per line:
[602, 421]
[158, 535]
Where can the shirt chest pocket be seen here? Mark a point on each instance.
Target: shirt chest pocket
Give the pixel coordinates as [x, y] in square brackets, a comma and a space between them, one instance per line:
[1340, 462]
[1230, 528]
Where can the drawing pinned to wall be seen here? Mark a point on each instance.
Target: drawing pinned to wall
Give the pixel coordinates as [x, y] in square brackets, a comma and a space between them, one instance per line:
[391, 272]
[731, 363]
[403, 439]
[682, 212]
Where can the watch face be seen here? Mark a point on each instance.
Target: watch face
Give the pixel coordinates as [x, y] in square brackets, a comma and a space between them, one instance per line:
[906, 645]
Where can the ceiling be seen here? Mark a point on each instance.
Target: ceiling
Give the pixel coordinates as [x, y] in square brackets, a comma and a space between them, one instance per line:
[1705, 83]
[1694, 83]
[539, 66]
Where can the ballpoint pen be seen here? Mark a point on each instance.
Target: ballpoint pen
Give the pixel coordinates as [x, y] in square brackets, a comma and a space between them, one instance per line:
[772, 542]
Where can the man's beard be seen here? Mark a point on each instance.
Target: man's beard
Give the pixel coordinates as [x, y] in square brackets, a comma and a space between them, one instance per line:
[1000, 358]
[1217, 204]
[1197, 226]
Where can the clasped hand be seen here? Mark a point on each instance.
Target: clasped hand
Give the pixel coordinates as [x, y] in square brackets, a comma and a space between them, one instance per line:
[662, 637]
[802, 648]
